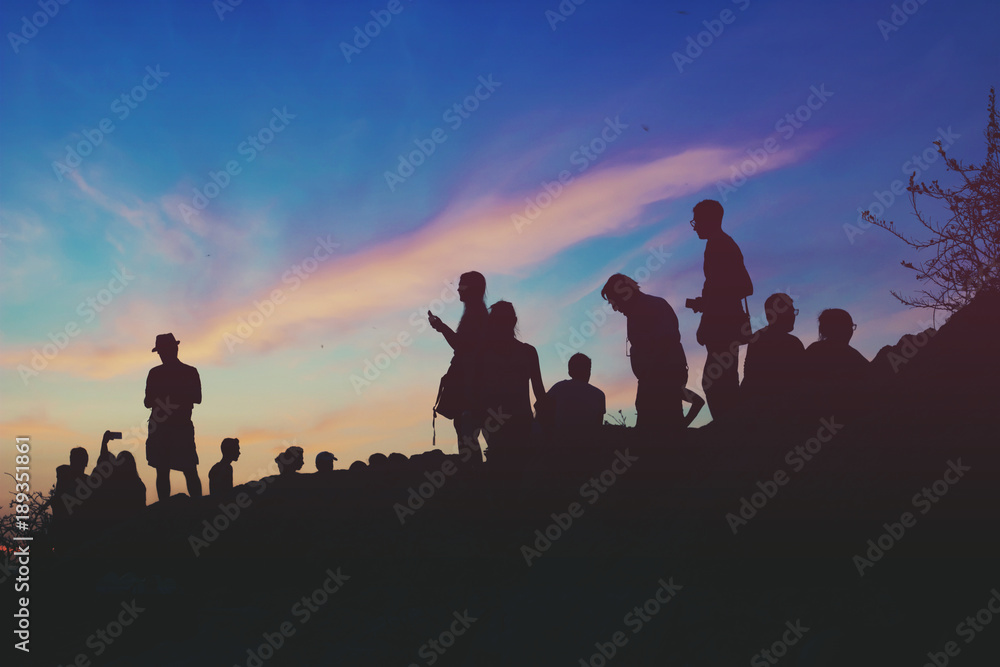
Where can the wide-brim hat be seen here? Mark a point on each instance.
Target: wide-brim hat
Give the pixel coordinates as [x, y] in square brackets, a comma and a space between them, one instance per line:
[165, 341]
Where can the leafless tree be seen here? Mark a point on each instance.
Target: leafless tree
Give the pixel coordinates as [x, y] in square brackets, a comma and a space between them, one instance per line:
[965, 246]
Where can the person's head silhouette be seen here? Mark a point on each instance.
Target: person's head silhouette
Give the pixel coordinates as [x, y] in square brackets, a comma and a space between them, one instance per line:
[471, 287]
[503, 319]
[324, 461]
[166, 346]
[619, 292]
[290, 461]
[231, 449]
[836, 325]
[707, 219]
[579, 367]
[780, 312]
[125, 463]
[78, 458]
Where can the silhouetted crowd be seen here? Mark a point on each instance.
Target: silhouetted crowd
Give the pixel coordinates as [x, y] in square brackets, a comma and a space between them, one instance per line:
[488, 385]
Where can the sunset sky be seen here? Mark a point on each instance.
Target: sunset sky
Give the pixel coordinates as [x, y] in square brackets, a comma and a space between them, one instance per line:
[288, 196]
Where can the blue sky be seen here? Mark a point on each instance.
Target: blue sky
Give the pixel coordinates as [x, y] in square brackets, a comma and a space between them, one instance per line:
[318, 187]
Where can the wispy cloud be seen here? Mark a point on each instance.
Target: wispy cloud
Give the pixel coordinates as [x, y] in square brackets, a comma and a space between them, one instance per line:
[349, 291]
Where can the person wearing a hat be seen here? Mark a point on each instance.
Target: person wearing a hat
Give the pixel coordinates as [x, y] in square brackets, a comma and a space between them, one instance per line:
[172, 389]
[324, 462]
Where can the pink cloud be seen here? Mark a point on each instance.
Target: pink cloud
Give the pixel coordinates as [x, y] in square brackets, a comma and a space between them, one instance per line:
[345, 292]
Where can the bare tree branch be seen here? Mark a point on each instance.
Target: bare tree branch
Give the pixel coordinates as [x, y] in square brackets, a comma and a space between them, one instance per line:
[965, 247]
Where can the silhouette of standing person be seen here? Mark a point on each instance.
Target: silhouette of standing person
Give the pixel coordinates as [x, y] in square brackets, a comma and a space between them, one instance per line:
[507, 368]
[657, 356]
[727, 283]
[220, 477]
[772, 370]
[467, 342]
[172, 389]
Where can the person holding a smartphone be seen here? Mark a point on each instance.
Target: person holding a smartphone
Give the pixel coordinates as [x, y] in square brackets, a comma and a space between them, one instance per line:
[466, 341]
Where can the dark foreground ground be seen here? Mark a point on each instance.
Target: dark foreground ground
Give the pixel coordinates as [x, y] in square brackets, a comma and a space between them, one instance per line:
[645, 568]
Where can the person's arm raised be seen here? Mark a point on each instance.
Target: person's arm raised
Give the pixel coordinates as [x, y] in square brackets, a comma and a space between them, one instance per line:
[105, 453]
[438, 325]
